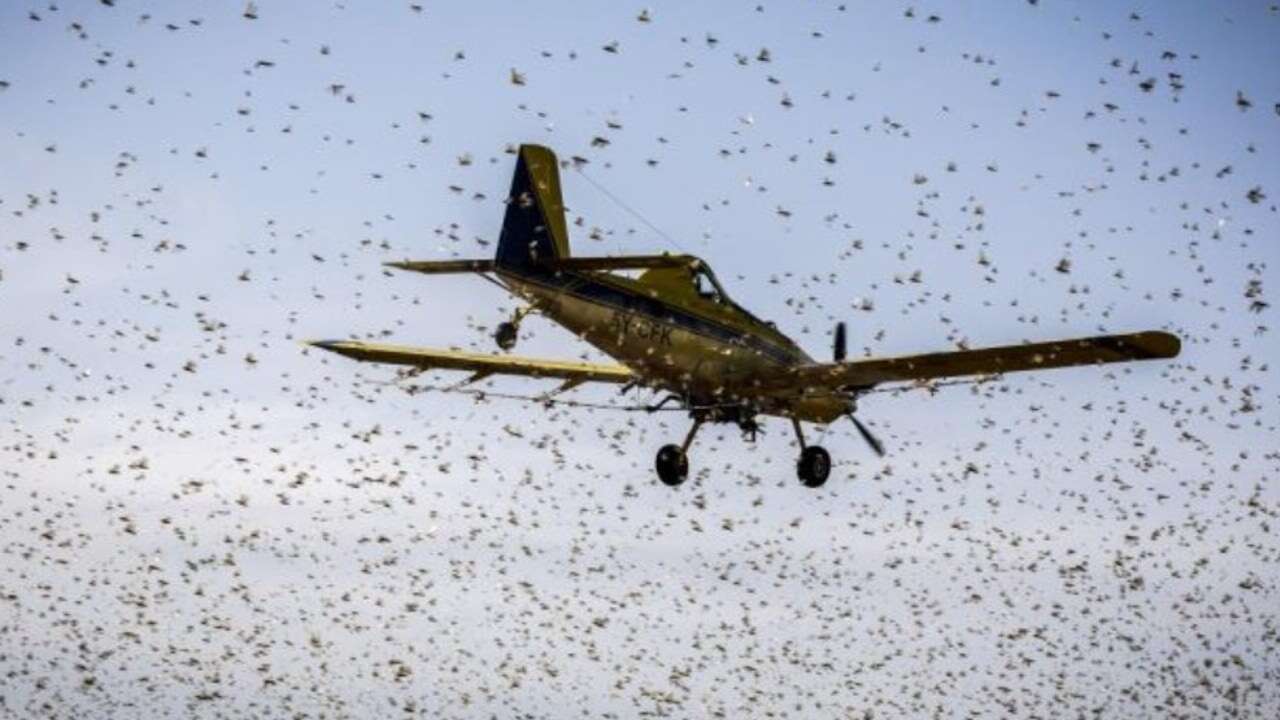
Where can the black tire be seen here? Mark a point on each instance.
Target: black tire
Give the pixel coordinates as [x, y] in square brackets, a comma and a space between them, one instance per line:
[814, 466]
[672, 465]
[506, 335]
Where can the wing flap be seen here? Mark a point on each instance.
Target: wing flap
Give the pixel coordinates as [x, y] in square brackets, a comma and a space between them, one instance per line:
[1097, 350]
[477, 363]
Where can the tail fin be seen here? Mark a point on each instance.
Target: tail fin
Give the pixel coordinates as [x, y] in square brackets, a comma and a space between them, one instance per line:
[533, 229]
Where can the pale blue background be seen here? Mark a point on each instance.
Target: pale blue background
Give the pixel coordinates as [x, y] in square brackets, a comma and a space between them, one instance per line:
[238, 538]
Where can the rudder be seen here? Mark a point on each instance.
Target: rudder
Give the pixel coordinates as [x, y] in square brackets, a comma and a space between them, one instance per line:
[533, 228]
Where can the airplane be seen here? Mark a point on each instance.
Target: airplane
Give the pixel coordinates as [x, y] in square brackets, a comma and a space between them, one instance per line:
[674, 329]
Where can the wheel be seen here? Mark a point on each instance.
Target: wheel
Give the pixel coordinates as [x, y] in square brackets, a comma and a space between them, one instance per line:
[814, 466]
[506, 334]
[672, 465]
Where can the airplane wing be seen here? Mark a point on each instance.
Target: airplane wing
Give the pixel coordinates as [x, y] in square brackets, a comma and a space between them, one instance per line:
[1095, 350]
[480, 364]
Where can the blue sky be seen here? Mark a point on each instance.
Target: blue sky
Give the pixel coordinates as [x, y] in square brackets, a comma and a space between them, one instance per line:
[198, 516]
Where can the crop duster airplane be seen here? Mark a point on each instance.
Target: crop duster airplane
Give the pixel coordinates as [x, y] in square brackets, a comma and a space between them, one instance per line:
[674, 328]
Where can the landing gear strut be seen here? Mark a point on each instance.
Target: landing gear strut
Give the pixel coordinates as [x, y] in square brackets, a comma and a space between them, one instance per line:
[672, 462]
[814, 464]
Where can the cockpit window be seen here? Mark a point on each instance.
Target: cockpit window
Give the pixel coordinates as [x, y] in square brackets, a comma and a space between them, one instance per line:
[706, 287]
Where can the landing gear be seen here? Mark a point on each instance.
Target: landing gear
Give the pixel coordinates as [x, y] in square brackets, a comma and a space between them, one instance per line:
[508, 332]
[506, 335]
[814, 465]
[672, 462]
[672, 465]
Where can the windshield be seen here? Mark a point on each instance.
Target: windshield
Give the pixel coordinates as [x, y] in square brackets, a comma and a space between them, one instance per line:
[707, 287]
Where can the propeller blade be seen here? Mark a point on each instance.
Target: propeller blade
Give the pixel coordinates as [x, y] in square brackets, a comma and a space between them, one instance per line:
[872, 440]
[839, 349]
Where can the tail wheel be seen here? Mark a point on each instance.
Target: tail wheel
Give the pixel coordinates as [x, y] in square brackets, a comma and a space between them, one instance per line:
[814, 466]
[672, 465]
[506, 335]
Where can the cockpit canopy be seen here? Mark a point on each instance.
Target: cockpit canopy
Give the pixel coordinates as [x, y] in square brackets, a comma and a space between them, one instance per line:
[691, 278]
[707, 287]
[694, 279]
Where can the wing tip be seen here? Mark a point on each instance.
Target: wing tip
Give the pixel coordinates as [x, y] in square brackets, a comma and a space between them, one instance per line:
[1162, 344]
[334, 346]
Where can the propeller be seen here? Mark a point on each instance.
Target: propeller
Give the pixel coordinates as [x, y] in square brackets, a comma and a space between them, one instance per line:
[838, 352]
[872, 440]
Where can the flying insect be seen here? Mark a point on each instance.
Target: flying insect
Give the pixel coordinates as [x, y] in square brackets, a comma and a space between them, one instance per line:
[674, 329]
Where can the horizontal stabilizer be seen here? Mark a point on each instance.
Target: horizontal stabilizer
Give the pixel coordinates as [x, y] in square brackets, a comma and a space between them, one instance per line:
[477, 363]
[439, 267]
[621, 262]
[580, 264]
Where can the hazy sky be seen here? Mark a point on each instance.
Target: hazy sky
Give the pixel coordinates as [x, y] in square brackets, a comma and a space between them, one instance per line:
[198, 516]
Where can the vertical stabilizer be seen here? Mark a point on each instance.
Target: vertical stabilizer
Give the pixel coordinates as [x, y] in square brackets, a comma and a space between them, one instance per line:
[533, 229]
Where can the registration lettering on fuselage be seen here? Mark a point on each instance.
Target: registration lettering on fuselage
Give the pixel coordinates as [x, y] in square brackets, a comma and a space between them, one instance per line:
[623, 324]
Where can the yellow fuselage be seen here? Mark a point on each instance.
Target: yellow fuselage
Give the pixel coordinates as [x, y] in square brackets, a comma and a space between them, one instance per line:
[710, 352]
